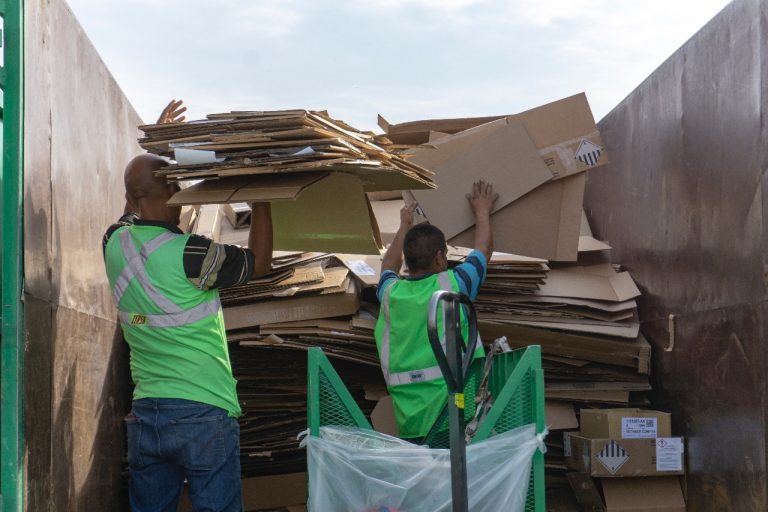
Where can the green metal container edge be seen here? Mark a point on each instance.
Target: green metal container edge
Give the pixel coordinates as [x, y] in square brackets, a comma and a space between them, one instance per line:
[11, 266]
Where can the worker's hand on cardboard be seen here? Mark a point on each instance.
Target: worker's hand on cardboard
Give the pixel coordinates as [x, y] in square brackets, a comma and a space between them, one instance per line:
[482, 198]
[172, 112]
[406, 215]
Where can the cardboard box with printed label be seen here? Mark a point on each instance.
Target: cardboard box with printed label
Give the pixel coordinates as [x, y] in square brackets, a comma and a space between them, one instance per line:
[608, 458]
[624, 424]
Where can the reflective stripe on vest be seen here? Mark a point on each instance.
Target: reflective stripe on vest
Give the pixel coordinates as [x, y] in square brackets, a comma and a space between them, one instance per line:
[189, 316]
[409, 377]
[174, 316]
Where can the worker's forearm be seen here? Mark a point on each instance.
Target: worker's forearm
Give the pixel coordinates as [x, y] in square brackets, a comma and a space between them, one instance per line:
[393, 258]
[260, 238]
[483, 234]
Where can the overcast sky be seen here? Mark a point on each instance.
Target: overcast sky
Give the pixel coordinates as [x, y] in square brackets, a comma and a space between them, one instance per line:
[404, 59]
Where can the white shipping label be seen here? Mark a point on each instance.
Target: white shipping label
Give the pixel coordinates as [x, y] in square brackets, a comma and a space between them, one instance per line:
[567, 444]
[669, 454]
[638, 428]
[361, 268]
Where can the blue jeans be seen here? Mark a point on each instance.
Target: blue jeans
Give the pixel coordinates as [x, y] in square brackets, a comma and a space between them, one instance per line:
[173, 439]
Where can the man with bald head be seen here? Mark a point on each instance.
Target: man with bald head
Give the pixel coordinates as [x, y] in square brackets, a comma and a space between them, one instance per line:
[183, 421]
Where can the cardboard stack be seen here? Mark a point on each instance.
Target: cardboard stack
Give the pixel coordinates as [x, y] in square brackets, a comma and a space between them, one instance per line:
[299, 160]
[629, 455]
[547, 285]
[580, 309]
[308, 300]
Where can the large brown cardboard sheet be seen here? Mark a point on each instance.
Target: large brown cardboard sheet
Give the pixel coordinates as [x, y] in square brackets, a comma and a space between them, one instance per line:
[332, 215]
[598, 282]
[651, 494]
[544, 223]
[500, 153]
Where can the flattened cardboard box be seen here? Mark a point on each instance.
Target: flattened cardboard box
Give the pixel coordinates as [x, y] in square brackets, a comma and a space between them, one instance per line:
[308, 307]
[627, 423]
[310, 211]
[642, 494]
[563, 132]
[544, 223]
[500, 153]
[596, 282]
[661, 456]
[332, 215]
[652, 494]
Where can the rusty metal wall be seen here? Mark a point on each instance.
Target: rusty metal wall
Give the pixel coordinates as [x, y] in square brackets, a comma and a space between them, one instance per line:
[80, 132]
[683, 203]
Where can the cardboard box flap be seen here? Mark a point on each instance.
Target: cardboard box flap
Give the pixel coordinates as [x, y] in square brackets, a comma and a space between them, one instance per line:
[417, 132]
[272, 187]
[599, 282]
[651, 494]
[587, 242]
[560, 415]
[332, 215]
[366, 268]
[500, 153]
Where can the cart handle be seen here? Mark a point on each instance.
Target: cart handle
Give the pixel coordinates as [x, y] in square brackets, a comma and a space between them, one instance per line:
[452, 320]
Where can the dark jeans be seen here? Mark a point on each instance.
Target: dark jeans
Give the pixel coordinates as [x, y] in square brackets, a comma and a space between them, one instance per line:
[172, 439]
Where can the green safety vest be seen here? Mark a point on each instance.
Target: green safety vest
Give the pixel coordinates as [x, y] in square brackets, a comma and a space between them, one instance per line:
[413, 377]
[175, 330]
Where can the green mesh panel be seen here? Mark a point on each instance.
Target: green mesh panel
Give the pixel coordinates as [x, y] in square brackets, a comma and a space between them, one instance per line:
[333, 410]
[524, 406]
[328, 400]
[438, 437]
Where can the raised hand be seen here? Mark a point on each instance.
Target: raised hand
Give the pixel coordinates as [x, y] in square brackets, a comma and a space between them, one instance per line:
[172, 112]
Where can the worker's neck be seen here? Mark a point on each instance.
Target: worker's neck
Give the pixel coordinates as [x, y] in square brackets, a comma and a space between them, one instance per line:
[154, 212]
[436, 269]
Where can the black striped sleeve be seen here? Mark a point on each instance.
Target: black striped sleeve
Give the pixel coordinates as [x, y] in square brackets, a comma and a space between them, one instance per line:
[212, 265]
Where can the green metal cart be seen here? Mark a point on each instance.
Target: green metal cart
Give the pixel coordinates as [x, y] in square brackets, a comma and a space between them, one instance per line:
[516, 381]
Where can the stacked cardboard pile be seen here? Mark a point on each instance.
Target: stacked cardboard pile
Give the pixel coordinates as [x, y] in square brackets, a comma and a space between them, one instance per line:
[299, 160]
[308, 300]
[559, 294]
[623, 458]
[580, 309]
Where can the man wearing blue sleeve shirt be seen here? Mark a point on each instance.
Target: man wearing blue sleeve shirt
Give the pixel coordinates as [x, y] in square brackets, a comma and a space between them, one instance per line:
[410, 369]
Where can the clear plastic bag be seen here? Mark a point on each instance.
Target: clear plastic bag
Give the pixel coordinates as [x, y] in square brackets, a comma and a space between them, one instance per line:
[357, 470]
